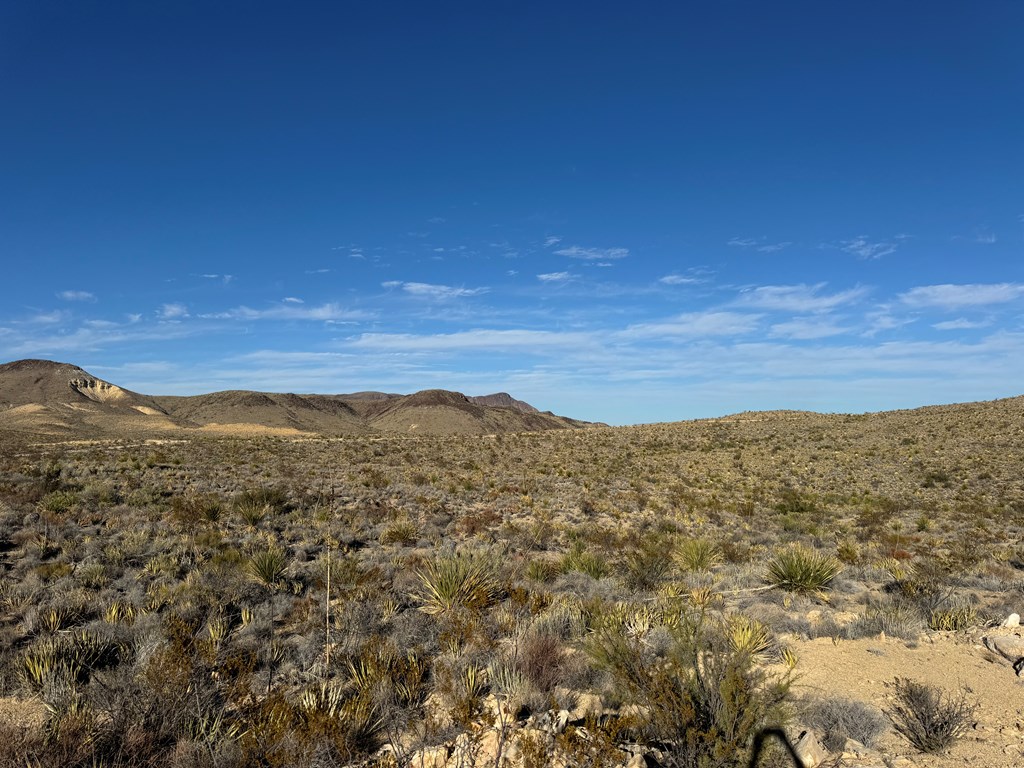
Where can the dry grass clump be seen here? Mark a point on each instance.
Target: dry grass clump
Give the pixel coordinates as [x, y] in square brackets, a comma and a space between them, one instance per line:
[838, 718]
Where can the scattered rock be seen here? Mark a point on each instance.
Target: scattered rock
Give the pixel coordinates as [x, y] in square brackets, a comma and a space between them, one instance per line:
[1010, 647]
[588, 705]
[430, 757]
[809, 751]
[1013, 620]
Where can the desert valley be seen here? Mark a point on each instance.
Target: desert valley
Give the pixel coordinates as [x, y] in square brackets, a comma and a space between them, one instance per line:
[247, 578]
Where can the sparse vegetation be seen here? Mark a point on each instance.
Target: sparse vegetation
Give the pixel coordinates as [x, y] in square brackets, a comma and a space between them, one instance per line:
[230, 601]
[930, 719]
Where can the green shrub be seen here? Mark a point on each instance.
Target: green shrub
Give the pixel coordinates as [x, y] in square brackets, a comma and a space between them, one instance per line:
[801, 569]
[646, 566]
[703, 699]
[927, 717]
[59, 501]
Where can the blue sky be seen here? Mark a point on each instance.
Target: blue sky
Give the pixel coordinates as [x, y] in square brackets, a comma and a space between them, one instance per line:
[619, 212]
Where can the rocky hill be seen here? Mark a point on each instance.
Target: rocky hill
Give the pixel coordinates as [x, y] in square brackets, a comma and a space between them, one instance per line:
[50, 398]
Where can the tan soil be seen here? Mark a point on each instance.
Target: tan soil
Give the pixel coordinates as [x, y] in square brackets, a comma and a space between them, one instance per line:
[861, 669]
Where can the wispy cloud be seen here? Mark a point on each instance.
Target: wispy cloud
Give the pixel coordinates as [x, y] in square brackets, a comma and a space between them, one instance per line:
[76, 296]
[799, 298]
[431, 291]
[802, 328]
[759, 244]
[172, 312]
[773, 247]
[554, 277]
[223, 278]
[679, 280]
[864, 248]
[331, 312]
[961, 324]
[553, 240]
[480, 339]
[694, 325]
[949, 296]
[292, 300]
[593, 254]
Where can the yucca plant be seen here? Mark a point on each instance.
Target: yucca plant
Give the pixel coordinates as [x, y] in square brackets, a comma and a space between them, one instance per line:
[803, 570]
[953, 618]
[748, 636]
[461, 581]
[404, 532]
[268, 567]
[698, 555]
[579, 559]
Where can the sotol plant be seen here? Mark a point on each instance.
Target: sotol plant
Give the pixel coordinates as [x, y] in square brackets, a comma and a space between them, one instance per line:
[801, 569]
[461, 581]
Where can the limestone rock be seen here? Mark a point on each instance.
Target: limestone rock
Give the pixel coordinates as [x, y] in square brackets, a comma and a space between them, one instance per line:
[587, 705]
[1013, 620]
[430, 757]
[809, 751]
[1010, 647]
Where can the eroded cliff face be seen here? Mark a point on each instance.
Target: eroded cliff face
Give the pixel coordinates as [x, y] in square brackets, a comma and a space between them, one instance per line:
[98, 391]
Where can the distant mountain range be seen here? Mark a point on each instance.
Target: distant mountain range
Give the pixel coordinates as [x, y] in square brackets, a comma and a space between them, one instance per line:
[59, 399]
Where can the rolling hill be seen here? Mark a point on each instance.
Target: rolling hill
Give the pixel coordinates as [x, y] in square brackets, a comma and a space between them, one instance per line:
[50, 398]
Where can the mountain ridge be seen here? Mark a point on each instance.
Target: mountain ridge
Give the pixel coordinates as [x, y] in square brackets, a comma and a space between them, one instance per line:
[54, 397]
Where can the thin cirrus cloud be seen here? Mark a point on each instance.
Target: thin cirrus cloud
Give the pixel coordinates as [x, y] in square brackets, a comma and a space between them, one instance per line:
[951, 296]
[695, 325]
[592, 254]
[432, 291]
[330, 312]
[76, 296]
[806, 328]
[863, 248]
[798, 298]
[961, 324]
[758, 244]
[554, 277]
[679, 280]
[478, 339]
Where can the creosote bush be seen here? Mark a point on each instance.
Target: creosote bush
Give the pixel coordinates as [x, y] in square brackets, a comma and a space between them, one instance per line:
[929, 718]
[704, 698]
[838, 719]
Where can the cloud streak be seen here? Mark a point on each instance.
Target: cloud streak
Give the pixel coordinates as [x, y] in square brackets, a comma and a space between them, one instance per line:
[951, 296]
[593, 254]
[799, 298]
[432, 291]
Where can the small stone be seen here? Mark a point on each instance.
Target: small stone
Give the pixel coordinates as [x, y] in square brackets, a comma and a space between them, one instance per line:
[1013, 620]
[587, 705]
[809, 751]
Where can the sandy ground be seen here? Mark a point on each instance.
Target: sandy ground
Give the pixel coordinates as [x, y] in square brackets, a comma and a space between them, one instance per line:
[861, 669]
